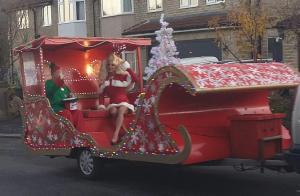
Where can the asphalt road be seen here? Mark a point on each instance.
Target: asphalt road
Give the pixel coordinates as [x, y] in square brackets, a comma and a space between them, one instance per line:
[24, 174]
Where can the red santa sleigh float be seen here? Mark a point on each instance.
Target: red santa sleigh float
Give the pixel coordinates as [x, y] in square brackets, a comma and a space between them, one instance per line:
[185, 114]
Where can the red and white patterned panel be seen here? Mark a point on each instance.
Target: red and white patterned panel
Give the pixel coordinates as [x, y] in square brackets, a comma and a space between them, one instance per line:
[246, 75]
[147, 137]
[44, 131]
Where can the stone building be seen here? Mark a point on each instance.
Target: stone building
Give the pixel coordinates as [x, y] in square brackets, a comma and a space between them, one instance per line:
[139, 18]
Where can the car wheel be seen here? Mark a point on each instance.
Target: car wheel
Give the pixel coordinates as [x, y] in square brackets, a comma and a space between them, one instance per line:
[88, 165]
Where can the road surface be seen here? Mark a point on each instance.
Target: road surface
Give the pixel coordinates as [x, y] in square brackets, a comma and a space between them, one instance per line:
[24, 174]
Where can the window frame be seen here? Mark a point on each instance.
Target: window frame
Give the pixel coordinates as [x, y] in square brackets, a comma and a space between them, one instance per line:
[43, 15]
[20, 20]
[189, 6]
[74, 11]
[134, 53]
[156, 10]
[215, 2]
[122, 8]
[84, 9]
[268, 51]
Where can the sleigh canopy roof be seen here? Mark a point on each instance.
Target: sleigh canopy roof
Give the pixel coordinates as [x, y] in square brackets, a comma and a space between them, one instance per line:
[221, 77]
[82, 43]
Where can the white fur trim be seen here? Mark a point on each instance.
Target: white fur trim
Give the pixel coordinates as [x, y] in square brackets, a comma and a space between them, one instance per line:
[118, 83]
[103, 85]
[106, 83]
[125, 65]
[128, 105]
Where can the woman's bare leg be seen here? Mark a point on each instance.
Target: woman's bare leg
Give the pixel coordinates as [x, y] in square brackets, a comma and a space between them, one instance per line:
[119, 121]
[113, 111]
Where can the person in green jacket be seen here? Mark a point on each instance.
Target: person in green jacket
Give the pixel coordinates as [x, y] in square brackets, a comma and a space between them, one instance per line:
[56, 92]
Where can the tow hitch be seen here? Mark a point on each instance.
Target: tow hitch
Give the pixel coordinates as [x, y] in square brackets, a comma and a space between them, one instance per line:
[293, 157]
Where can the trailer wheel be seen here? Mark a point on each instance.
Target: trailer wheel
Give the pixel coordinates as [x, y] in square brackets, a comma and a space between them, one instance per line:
[89, 166]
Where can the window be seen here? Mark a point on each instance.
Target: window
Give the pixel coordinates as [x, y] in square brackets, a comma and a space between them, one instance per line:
[211, 2]
[80, 13]
[65, 13]
[46, 13]
[30, 71]
[116, 7]
[71, 10]
[23, 19]
[155, 5]
[275, 49]
[130, 57]
[188, 3]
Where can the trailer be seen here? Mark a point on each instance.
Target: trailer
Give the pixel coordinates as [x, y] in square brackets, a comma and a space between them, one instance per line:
[216, 114]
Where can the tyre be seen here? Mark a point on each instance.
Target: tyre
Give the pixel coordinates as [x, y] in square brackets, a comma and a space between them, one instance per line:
[88, 165]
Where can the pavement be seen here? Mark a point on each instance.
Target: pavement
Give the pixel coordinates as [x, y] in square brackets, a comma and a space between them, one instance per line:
[22, 173]
[11, 128]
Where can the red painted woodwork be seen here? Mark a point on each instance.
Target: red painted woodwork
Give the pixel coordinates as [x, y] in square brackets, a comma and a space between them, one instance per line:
[203, 98]
[240, 76]
[246, 132]
[99, 123]
[207, 118]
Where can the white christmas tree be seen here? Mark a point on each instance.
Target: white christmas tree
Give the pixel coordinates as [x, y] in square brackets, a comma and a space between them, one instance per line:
[164, 54]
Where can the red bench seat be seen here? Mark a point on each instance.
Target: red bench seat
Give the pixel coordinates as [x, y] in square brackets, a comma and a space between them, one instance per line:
[95, 113]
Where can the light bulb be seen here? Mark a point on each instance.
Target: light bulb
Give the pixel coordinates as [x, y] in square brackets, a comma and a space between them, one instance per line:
[89, 69]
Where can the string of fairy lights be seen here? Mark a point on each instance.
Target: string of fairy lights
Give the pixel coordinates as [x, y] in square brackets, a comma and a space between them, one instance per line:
[68, 70]
[84, 139]
[42, 71]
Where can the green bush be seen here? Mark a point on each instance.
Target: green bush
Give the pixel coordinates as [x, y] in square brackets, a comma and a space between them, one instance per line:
[282, 101]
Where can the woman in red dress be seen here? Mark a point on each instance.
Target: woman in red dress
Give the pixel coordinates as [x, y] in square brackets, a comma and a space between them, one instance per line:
[115, 87]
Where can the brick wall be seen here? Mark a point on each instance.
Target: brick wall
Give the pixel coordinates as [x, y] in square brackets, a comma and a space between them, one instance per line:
[290, 49]
[4, 51]
[271, 7]
[22, 35]
[51, 30]
[113, 26]
[172, 7]
[93, 17]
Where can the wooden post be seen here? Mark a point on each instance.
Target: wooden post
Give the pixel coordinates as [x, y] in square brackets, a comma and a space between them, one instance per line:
[140, 66]
[298, 49]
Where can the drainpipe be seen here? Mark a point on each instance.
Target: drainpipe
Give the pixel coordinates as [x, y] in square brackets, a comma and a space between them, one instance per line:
[99, 18]
[94, 17]
[298, 48]
[36, 35]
